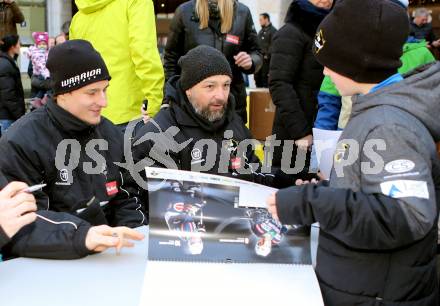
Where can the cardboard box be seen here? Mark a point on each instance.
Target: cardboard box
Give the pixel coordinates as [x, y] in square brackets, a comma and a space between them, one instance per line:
[261, 113]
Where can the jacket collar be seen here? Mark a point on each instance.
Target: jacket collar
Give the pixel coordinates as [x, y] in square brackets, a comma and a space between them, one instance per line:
[66, 121]
[307, 21]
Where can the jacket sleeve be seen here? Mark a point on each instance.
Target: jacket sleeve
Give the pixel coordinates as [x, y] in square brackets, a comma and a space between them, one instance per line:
[54, 235]
[251, 45]
[388, 212]
[174, 48]
[4, 239]
[9, 96]
[286, 60]
[17, 165]
[128, 208]
[144, 53]
[18, 15]
[329, 106]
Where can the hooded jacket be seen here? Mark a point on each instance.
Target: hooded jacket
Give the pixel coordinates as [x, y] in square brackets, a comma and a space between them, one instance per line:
[294, 77]
[378, 217]
[185, 35]
[10, 15]
[12, 104]
[83, 178]
[124, 32]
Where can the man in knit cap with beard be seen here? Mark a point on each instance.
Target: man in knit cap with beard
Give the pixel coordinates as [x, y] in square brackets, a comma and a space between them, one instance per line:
[378, 212]
[201, 109]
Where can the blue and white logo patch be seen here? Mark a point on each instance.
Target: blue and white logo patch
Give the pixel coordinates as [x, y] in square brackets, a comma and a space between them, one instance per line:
[399, 166]
[405, 189]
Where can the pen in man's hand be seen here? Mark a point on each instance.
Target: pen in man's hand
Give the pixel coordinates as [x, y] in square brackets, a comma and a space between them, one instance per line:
[34, 188]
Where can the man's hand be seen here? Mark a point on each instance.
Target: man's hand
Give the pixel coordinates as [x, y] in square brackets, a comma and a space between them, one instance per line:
[100, 238]
[272, 206]
[243, 60]
[305, 142]
[17, 208]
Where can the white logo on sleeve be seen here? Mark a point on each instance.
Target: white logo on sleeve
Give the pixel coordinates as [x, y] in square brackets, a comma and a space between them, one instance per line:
[196, 155]
[399, 166]
[405, 189]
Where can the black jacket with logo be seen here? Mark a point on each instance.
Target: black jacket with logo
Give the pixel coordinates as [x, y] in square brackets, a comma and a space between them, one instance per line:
[185, 35]
[28, 152]
[12, 104]
[157, 145]
[35, 239]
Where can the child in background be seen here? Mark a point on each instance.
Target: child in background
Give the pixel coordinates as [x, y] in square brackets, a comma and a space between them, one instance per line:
[38, 56]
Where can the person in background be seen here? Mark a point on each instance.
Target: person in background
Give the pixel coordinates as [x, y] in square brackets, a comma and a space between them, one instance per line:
[124, 32]
[65, 28]
[378, 212]
[10, 15]
[51, 42]
[226, 25]
[12, 105]
[295, 77]
[421, 28]
[265, 40]
[60, 39]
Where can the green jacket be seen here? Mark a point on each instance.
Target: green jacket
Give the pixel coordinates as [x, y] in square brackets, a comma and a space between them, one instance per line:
[124, 32]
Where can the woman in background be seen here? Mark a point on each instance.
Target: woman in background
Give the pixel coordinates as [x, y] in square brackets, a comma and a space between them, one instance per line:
[12, 104]
[223, 24]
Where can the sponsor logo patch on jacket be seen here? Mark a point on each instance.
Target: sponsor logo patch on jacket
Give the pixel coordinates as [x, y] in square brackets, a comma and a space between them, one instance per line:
[319, 41]
[399, 166]
[233, 39]
[112, 188]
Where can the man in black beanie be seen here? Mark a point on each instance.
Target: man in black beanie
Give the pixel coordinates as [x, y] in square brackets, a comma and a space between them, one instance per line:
[378, 213]
[68, 146]
[199, 130]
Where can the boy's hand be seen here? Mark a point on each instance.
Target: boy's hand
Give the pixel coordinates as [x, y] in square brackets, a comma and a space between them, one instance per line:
[272, 206]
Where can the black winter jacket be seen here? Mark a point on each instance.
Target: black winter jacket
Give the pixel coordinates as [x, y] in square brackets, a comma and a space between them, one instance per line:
[34, 240]
[28, 153]
[265, 37]
[378, 216]
[422, 32]
[12, 104]
[157, 145]
[294, 77]
[185, 35]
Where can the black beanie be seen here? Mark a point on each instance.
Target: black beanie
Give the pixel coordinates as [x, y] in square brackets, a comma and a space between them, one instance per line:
[362, 39]
[201, 63]
[75, 64]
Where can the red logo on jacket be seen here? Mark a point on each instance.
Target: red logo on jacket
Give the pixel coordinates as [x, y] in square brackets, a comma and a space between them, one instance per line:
[233, 39]
[112, 188]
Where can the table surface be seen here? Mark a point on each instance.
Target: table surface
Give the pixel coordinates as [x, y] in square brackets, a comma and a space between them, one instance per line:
[108, 279]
